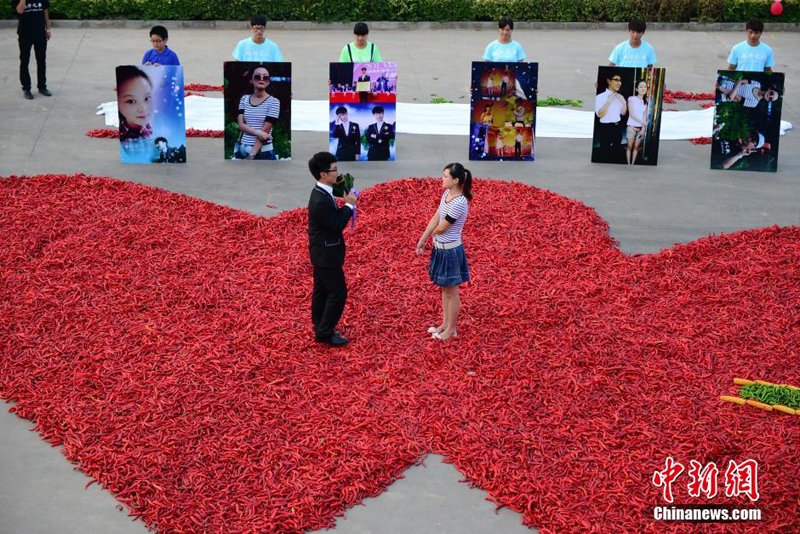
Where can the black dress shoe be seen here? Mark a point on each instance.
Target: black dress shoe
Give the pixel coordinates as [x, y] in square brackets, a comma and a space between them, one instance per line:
[45, 92]
[336, 340]
[28, 94]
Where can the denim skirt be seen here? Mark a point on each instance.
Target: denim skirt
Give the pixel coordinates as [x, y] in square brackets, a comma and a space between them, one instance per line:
[448, 267]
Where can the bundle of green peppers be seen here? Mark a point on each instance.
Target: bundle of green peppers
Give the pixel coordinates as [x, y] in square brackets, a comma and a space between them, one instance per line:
[343, 185]
[772, 395]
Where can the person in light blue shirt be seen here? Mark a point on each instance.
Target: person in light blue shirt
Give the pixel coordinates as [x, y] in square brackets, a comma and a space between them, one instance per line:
[752, 54]
[257, 47]
[160, 54]
[504, 48]
[634, 52]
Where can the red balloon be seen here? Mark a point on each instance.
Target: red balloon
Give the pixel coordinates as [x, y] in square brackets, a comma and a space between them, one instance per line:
[776, 9]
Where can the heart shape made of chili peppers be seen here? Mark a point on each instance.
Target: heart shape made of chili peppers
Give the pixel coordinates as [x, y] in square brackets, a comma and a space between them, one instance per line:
[165, 342]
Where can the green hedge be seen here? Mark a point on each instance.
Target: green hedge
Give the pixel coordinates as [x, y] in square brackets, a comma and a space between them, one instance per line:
[423, 10]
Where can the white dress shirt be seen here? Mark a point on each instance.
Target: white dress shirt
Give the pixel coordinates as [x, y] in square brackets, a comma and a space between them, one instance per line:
[613, 112]
[328, 189]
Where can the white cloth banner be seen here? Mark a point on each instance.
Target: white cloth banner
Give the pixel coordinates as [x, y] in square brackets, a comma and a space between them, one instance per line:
[205, 113]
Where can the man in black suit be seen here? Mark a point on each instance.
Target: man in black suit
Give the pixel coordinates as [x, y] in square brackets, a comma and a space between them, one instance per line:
[362, 95]
[378, 137]
[326, 248]
[382, 84]
[349, 136]
[169, 154]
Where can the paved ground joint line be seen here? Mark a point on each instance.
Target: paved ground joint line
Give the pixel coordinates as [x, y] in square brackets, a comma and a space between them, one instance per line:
[419, 86]
[55, 101]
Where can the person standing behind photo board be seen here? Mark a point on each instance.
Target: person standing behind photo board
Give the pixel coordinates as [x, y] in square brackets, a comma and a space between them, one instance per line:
[160, 54]
[504, 48]
[634, 52]
[360, 50]
[33, 31]
[751, 54]
[257, 47]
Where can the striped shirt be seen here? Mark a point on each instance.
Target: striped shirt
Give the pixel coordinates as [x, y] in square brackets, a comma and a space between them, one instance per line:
[745, 91]
[256, 116]
[455, 212]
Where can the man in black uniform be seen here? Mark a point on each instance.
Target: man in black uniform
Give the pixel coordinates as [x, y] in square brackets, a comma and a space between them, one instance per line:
[33, 31]
[363, 96]
[379, 136]
[326, 248]
[349, 136]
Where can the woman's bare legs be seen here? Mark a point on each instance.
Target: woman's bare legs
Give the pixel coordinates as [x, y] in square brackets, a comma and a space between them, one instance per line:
[453, 307]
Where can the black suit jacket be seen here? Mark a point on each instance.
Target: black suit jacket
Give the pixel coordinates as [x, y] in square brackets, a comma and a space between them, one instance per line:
[349, 146]
[325, 224]
[379, 145]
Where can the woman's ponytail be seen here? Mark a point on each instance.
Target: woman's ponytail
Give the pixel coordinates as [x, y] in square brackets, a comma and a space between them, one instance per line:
[467, 185]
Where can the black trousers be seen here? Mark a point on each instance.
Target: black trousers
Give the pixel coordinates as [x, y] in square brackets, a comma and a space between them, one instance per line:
[518, 149]
[363, 96]
[609, 135]
[39, 44]
[327, 300]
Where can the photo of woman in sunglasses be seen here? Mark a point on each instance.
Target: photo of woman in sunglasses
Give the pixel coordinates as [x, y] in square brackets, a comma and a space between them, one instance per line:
[257, 108]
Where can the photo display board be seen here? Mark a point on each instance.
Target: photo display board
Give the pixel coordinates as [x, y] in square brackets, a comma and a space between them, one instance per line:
[627, 115]
[362, 114]
[152, 114]
[258, 110]
[503, 111]
[747, 120]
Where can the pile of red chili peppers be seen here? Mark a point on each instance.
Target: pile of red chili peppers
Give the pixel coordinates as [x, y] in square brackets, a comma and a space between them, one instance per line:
[671, 96]
[165, 343]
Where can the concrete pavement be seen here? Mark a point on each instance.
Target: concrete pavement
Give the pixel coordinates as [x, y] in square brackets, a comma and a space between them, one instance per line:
[647, 208]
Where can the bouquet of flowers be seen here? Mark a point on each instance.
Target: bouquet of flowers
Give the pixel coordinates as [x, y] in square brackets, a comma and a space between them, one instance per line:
[343, 185]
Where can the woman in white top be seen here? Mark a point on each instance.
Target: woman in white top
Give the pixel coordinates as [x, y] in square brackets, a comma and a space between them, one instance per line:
[637, 120]
[448, 266]
[504, 49]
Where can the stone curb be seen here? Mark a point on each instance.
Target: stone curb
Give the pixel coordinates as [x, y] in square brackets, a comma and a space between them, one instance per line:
[394, 25]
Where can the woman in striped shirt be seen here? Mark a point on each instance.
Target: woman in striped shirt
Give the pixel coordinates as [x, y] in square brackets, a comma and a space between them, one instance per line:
[257, 113]
[448, 267]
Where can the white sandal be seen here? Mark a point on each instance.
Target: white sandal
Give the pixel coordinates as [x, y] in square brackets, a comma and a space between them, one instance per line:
[437, 336]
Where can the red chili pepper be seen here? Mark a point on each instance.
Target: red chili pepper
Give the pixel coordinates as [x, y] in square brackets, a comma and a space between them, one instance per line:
[165, 342]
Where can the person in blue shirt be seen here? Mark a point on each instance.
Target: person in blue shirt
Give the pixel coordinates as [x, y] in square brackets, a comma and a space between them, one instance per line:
[160, 54]
[257, 47]
[752, 54]
[504, 48]
[635, 52]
